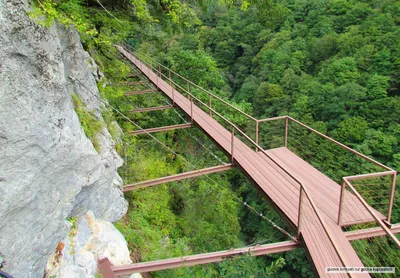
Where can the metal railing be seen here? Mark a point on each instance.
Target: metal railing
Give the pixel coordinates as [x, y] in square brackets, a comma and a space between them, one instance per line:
[236, 130]
[387, 170]
[370, 210]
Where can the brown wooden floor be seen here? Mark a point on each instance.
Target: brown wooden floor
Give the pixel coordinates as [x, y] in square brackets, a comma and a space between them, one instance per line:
[282, 190]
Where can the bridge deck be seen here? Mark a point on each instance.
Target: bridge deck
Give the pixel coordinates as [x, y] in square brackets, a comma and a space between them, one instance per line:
[280, 188]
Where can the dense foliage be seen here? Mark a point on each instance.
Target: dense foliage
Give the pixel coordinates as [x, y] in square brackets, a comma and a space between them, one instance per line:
[333, 64]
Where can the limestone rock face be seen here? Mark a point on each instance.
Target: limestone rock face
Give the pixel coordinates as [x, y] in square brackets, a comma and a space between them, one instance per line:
[88, 241]
[49, 169]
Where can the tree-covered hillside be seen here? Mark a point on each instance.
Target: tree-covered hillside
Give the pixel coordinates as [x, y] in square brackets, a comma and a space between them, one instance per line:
[333, 64]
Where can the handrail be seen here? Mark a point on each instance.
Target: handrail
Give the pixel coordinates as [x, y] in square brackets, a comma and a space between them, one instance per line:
[235, 128]
[262, 120]
[389, 171]
[266, 119]
[368, 208]
[341, 145]
[371, 175]
[192, 83]
[258, 147]
[320, 220]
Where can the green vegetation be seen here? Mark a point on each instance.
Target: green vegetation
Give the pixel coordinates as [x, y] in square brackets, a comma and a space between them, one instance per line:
[72, 233]
[333, 64]
[90, 124]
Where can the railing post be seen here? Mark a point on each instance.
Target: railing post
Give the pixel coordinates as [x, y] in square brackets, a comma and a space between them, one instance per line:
[157, 77]
[210, 104]
[257, 123]
[232, 144]
[188, 86]
[341, 197]
[173, 95]
[300, 212]
[392, 197]
[170, 79]
[191, 109]
[286, 131]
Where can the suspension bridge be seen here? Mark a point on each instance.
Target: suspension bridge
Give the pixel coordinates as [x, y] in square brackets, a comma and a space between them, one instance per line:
[316, 206]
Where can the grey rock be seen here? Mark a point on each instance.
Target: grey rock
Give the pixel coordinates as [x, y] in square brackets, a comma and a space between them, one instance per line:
[93, 240]
[49, 169]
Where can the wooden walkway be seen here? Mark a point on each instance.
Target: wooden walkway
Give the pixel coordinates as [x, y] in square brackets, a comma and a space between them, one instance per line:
[281, 189]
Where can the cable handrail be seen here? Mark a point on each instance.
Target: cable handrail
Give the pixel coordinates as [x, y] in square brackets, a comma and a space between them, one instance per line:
[192, 83]
[266, 119]
[341, 145]
[235, 128]
[371, 212]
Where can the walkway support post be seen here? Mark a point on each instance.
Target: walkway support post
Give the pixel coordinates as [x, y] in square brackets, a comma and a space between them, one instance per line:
[392, 197]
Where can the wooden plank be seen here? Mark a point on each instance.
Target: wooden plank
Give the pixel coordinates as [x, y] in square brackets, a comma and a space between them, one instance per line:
[326, 192]
[156, 108]
[148, 91]
[204, 258]
[177, 177]
[159, 129]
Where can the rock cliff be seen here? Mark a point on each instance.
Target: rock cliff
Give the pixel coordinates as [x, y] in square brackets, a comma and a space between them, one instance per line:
[49, 169]
[88, 241]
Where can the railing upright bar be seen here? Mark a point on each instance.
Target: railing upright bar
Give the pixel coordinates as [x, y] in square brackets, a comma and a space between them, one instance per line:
[191, 108]
[341, 197]
[232, 142]
[300, 211]
[257, 124]
[286, 131]
[391, 201]
[210, 104]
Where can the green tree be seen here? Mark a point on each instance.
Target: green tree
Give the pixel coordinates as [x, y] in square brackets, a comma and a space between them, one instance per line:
[351, 130]
[340, 71]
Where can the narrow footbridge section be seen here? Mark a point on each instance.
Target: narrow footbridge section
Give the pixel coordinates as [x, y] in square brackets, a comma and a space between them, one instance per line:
[311, 202]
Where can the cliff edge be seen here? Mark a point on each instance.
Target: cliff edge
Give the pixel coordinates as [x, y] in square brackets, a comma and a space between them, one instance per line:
[49, 169]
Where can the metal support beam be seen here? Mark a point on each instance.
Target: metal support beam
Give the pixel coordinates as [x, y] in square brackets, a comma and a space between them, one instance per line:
[204, 258]
[133, 83]
[148, 91]
[105, 268]
[177, 177]
[258, 250]
[370, 232]
[159, 129]
[157, 108]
